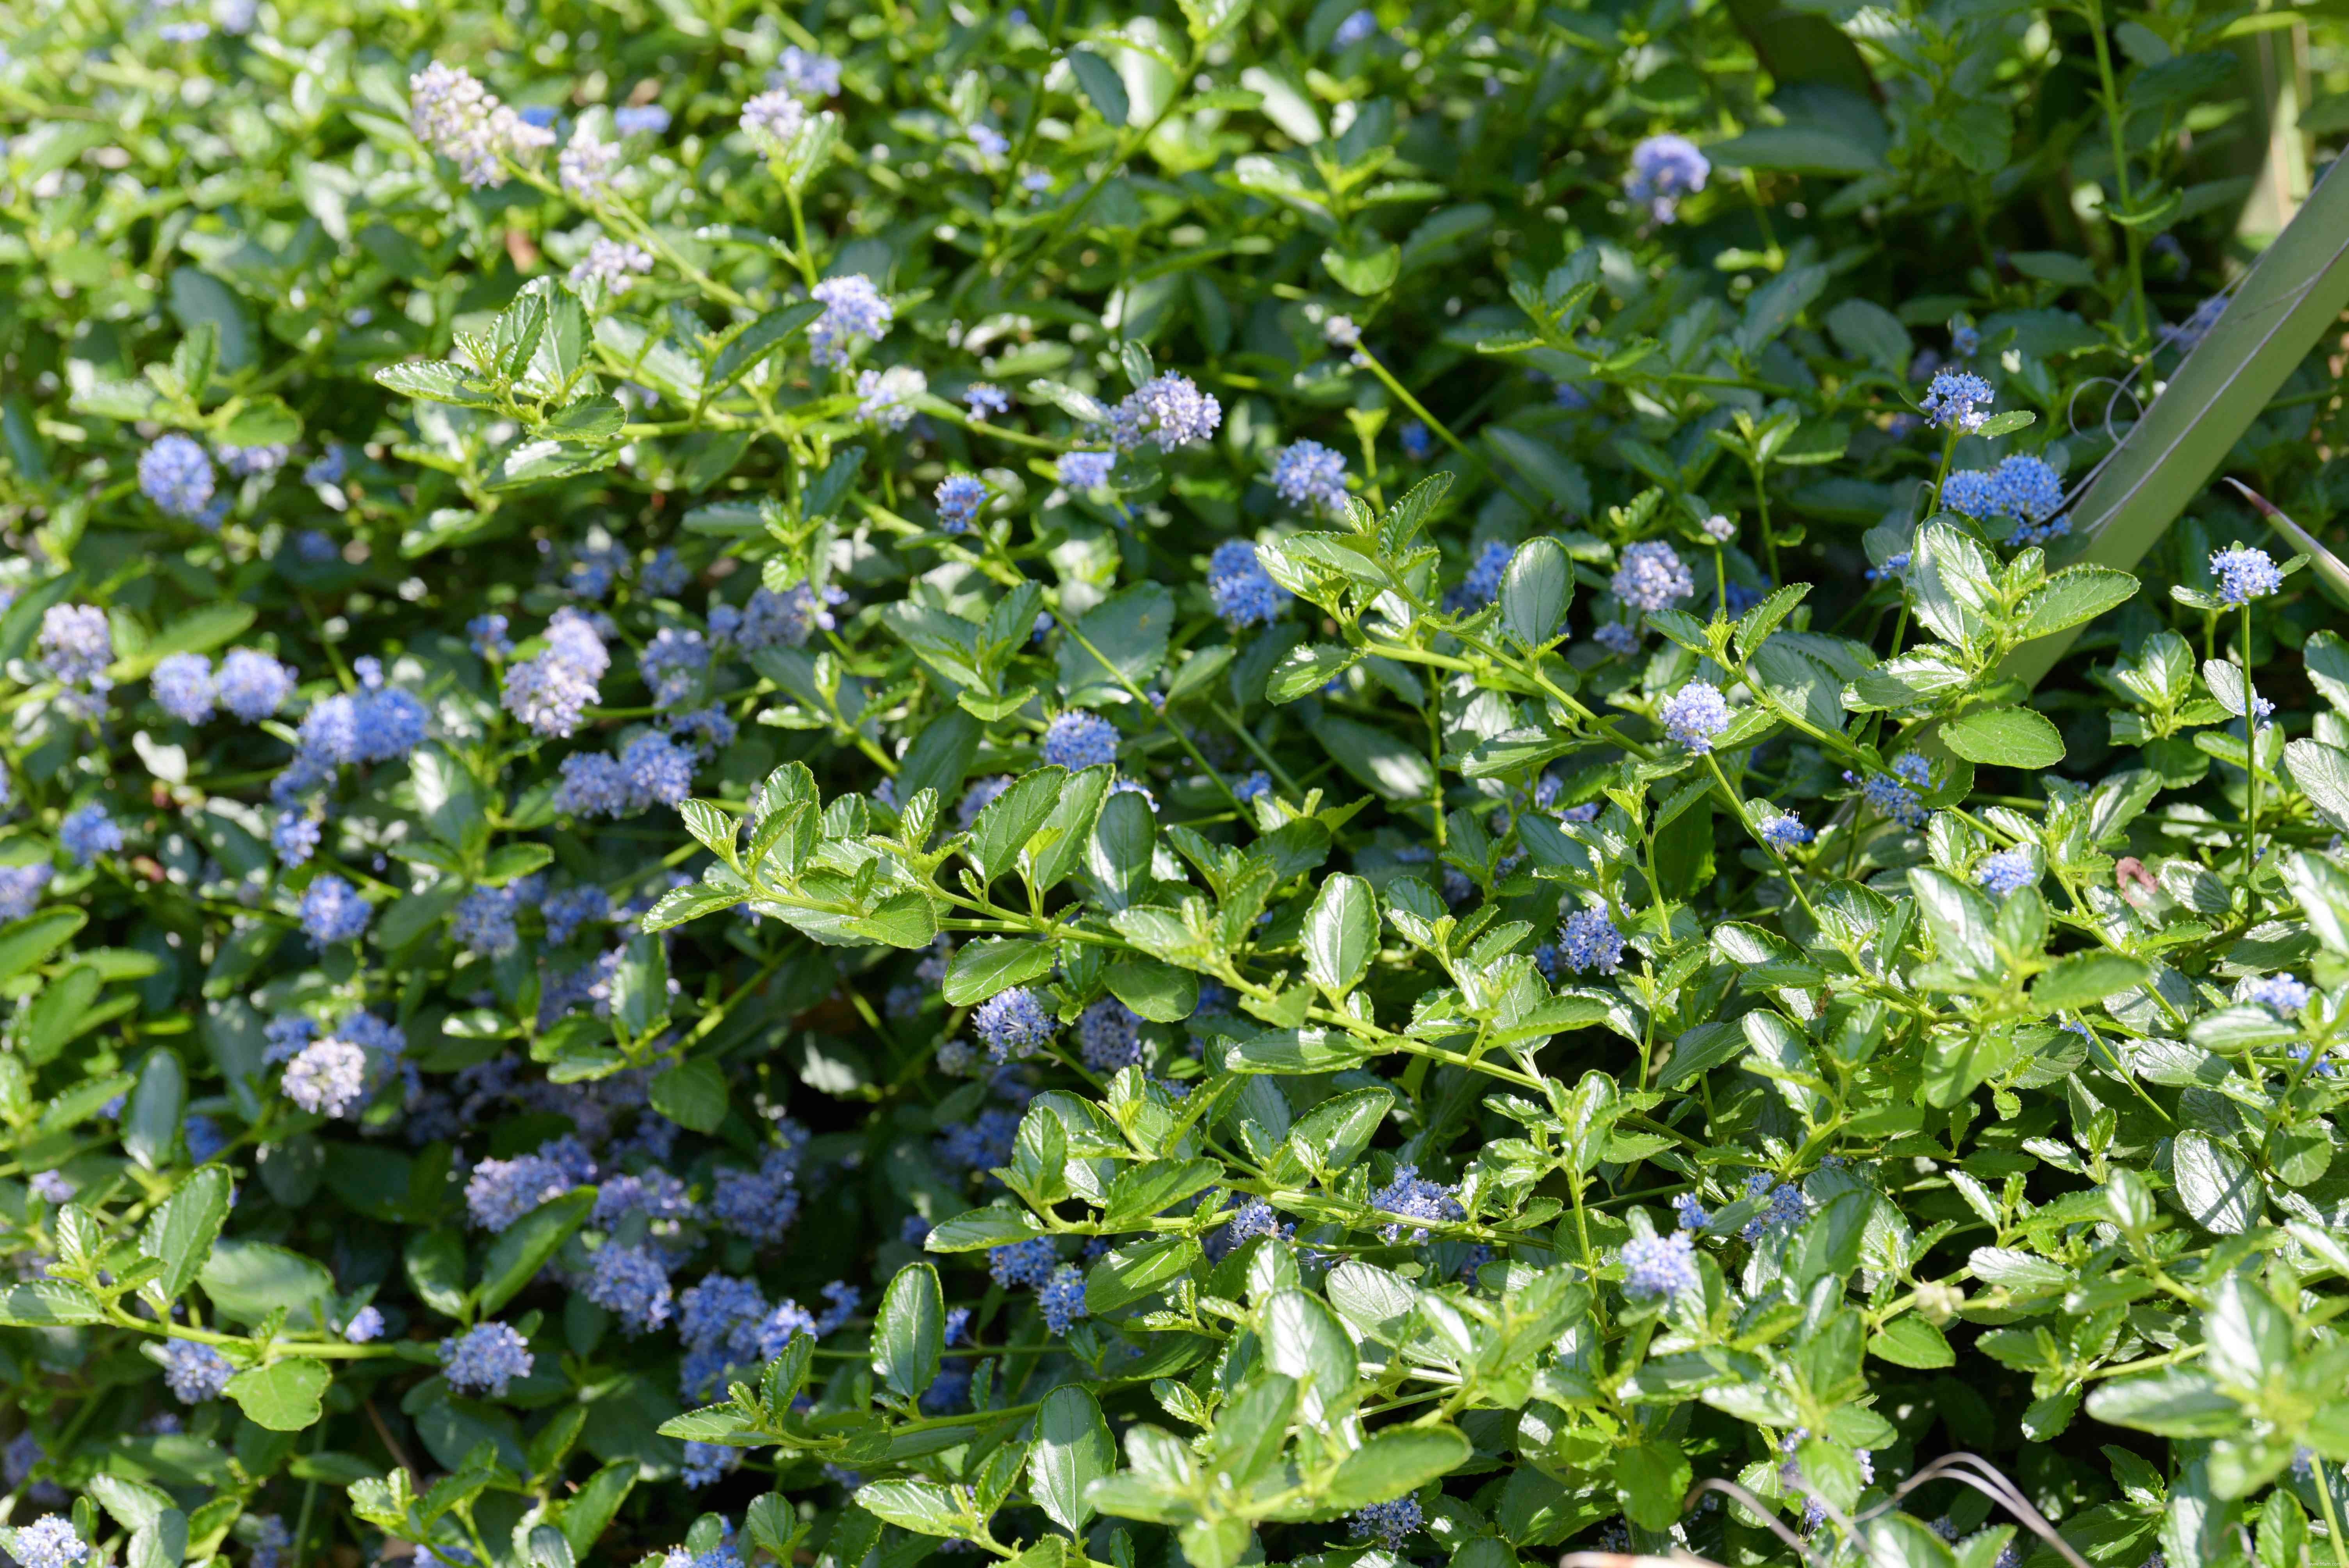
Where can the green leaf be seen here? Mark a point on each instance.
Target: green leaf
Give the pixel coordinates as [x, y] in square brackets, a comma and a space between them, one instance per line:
[1376, 760]
[284, 1395]
[594, 1505]
[1149, 1189]
[433, 380]
[1910, 1341]
[182, 1231]
[1396, 1462]
[1306, 669]
[30, 940]
[162, 1544]
[1651, 1479]
[2073, 597]
[1073, 1451]
[1125, 1275]
[1867, 331]
[1120, 854]
[983, 968]
[1159, 992]
[150, 1124]
[1303, 1339]
[2006, 737]
[517, 1255]
[1054, 849]
[1011, 819]
[50, 1303]
[1798, 150]
[1557, 477]
[2177, 1403]
[1296, 1051]
[198, 630]
[247, 1281]
[1106, 91]
[1537, 592]
[996, 1225]
[1128, 630]
[2291, 298]
[2083, 979]
[1333, 1135]
[692, 1094]
[434, 1262]
[923, 1507]
[2215, 1187]
[1364, 269]
[909, 1335]
[2320, 772]
[132, 1504]
[754, 343]
[1341, 935]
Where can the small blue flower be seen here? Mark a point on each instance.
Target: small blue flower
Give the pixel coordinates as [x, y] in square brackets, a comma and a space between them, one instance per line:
[485, 1359]
[51, 1541]
[959, 497]
[182, 684]
[176, 474]
[985, 400]
[1483, 583]
[333, 910]
[2005, 872]
[194, 1373]
[1659, 1265]
[1029, 1263]
[1391, 1523]
[1652, 576]
[1110, 1035]
[650, 120]
[1245, 594]
[1084, 471]
[1167, 409]
[1949, 400]
[2283, 993]
[2245, 575]
[1663, 170]
[253, 685]
[1896, 794]
[1077, 740]
[1308, 474]
[1694, 715]
[1785, 1206]
[853, 311]
[1062, 1299]
[1784, 832]
[1589, 941]
[1357, 26]
[88, 832]
[632, 1284]
[1693, 1215]
[1414, 1197]
[1250, 786]
[1013, 1024]
[706, 1462]
[365, 1326]
[294, 837]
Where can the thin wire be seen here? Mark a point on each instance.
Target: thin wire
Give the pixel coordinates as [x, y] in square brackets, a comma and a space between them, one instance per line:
[1992, 1483]
[1753, 1505]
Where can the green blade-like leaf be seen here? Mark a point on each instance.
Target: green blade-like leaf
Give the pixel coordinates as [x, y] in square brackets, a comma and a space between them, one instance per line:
[2290, 299]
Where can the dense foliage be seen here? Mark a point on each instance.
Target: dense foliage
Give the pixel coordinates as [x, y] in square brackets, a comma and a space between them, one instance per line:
[1217, 785]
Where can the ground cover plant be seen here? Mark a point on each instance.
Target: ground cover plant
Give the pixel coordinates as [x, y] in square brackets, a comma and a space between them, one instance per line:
[1222, 783]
